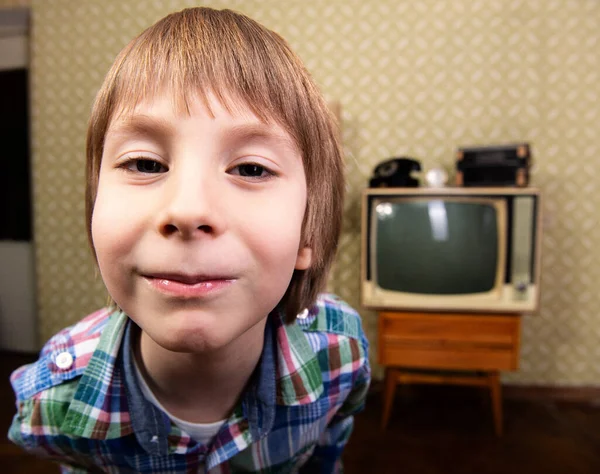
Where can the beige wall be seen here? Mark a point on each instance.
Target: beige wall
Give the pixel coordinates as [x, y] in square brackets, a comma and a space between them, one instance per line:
[14, 3]
[414, 78]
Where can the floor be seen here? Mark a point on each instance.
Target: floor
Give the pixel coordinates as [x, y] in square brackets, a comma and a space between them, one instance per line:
[433, 429]
[442, 429]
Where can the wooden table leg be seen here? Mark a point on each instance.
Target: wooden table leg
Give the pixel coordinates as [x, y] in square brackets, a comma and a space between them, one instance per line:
[496, 396]
[388, 395]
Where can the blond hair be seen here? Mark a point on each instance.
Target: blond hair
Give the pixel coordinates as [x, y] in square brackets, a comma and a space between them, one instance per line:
[198, 51]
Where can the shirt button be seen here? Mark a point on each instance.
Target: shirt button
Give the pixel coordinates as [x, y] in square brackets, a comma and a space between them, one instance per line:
[64, 360]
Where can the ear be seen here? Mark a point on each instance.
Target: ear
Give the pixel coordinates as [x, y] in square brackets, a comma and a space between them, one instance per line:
[304, 258]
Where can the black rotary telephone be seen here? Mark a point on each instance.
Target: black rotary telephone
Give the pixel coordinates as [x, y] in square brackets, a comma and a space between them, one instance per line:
[395, 172]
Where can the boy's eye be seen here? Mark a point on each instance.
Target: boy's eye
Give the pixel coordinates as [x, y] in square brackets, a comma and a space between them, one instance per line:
[149, 166]
[145, 166]
[251, 170]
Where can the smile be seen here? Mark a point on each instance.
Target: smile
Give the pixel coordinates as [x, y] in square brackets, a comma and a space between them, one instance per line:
[187, 286]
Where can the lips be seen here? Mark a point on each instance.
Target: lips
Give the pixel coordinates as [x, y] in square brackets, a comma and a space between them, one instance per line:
[188, 286]
[186, 279]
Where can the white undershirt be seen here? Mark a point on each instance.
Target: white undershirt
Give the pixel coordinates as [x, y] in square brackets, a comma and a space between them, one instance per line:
[201, 432]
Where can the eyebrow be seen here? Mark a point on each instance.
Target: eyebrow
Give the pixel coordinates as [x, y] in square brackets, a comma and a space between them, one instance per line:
[142, 125]
[259, 132]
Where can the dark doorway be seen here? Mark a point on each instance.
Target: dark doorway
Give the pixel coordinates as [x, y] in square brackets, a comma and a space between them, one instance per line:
[15, 194]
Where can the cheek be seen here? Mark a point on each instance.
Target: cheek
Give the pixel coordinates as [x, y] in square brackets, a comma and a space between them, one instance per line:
[107, 253]
[116, 216]
[274, 237]
[104, 223]
[113, 231]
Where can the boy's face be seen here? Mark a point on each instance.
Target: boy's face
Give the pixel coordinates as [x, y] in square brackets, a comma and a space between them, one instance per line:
[197, 221]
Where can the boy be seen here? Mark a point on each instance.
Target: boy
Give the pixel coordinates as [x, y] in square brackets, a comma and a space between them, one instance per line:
[214, 201]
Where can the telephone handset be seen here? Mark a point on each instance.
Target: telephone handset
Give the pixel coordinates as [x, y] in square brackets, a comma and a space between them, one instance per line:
[395, 172]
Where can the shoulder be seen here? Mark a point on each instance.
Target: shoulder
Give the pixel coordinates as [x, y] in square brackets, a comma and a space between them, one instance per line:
[333, 323]
[332, 315]
[64, 357]
[323, 355]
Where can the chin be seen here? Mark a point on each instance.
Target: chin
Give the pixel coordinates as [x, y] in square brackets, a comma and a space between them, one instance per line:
[188, 343]
[189, 338]
[193, 330]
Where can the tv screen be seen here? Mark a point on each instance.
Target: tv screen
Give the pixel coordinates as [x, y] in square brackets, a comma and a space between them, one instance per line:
[436, 246]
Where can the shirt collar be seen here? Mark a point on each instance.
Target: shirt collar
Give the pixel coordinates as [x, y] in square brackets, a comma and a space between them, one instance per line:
[150, 425]
[98, 409]
[299, 377]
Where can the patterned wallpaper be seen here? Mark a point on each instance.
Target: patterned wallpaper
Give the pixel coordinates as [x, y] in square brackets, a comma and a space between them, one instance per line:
[414, 78]
[14, 3]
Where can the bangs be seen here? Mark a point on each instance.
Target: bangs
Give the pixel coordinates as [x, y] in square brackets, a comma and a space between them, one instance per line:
[192, 56]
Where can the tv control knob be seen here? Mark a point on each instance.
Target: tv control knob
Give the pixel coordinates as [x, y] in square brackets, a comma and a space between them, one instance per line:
[521, 286]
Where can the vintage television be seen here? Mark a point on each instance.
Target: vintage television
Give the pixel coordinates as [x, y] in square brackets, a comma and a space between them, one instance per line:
[451, 249]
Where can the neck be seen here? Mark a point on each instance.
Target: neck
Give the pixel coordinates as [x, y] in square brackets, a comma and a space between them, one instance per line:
[200, 387]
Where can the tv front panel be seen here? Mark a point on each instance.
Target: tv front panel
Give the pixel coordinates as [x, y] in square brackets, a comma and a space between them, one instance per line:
[522, 248]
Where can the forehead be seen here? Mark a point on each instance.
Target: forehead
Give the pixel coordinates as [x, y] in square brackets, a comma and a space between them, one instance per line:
[160, 113]
[179, 103]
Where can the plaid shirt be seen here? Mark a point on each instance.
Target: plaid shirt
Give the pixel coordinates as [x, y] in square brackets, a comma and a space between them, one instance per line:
[295, 415]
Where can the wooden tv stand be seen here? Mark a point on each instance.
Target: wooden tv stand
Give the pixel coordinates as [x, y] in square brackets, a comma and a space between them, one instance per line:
[461, 349]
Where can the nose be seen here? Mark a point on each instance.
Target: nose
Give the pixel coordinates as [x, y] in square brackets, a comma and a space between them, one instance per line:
[190, 207]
